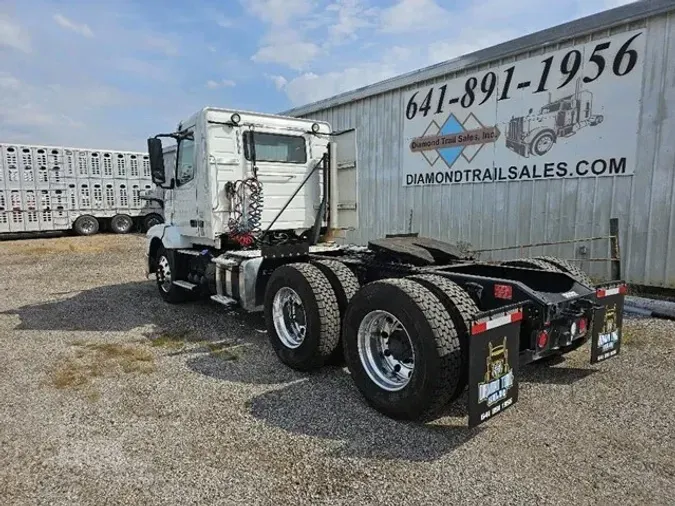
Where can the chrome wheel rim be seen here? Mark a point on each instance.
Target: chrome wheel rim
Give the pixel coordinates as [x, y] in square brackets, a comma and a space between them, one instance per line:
[290, 319]
[164, 273]
[386, 350]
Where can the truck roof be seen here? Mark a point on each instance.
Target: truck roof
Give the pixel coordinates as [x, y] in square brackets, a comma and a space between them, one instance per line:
[223, 114]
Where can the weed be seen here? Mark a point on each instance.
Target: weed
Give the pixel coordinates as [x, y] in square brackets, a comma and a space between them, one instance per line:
[93, 360]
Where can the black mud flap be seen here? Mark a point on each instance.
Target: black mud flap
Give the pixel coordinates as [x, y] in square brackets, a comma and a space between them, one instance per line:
[493, 362]
[607, 321]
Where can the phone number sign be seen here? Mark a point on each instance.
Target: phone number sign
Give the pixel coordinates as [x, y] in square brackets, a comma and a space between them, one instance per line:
[571, 113]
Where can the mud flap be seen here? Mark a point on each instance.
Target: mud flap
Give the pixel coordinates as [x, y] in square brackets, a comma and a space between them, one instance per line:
[494, 347]
[607, 321]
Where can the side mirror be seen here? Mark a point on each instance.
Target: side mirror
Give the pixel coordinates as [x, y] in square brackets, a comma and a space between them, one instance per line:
[156, 160]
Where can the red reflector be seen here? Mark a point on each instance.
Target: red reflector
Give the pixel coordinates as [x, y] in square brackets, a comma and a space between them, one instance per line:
[623, 289]
[583, 325]
[542, 339]
[479, 328]
[503, 292]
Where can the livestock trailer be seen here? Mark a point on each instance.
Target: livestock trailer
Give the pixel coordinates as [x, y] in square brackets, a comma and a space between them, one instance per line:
[58, 188]
[541, 139]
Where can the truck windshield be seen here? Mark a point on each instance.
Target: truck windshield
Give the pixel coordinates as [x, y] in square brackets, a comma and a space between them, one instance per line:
[276, 148]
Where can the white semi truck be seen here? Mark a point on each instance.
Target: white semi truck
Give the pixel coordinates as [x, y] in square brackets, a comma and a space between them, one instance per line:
[59, 188]
[255, 206]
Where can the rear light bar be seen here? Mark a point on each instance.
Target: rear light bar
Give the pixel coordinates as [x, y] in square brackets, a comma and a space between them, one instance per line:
[606, 292]
[480, 327]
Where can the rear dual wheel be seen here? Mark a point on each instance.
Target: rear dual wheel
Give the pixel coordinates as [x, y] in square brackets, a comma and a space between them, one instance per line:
[404, 340]
[406, 346]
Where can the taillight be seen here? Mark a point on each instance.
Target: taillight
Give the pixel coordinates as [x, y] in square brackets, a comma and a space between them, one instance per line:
[503, 292]
[583, 326]
[542, 339]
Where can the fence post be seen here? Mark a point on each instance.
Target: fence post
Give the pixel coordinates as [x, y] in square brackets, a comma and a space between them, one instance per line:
[615, 269]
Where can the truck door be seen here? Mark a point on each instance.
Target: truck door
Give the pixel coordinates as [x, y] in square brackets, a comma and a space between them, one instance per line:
[185, 214]
[345, 154]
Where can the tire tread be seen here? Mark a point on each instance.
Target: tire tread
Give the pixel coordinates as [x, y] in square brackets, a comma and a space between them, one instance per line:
[445, 337]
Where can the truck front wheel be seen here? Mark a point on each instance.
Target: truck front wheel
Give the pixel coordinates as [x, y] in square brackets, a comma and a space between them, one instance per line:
[165, 273]
[302, 316]
[542, 143]
[402, 349]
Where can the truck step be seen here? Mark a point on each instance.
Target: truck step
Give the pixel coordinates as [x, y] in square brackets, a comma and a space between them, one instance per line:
[224, 300]
[190, 252]
[184, 284]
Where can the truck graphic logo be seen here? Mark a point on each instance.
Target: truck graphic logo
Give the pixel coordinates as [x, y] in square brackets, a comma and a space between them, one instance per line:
[498, 378]
[535, 134]
[454, 139]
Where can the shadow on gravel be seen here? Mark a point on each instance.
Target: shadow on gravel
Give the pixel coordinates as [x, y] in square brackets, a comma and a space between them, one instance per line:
[328, 405]
[553, 375]
[120, 308]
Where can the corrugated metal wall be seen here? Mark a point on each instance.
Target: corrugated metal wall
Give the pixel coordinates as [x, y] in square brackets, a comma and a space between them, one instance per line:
[493, 215]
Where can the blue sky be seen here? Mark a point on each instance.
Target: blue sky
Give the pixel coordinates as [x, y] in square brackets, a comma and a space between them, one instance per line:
[110, 73]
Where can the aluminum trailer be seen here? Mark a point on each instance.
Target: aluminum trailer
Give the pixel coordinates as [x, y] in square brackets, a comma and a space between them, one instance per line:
[416, 320]
[57, 188]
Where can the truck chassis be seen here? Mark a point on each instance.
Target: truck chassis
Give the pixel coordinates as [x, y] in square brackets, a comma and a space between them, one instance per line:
[416, 321]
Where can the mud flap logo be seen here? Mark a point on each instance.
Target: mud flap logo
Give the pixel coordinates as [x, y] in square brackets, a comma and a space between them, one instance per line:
[493, 361]
[606, 342]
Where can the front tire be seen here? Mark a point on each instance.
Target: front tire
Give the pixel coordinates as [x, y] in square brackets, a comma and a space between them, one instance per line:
[542, 143]
[165, 273]
[302, 316]
[401, 349]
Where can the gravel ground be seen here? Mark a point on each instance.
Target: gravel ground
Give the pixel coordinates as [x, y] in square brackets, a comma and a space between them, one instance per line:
[110, 396]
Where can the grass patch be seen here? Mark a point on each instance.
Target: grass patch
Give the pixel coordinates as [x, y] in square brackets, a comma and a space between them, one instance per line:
[171, 339]
[224, 351]
[93, 360]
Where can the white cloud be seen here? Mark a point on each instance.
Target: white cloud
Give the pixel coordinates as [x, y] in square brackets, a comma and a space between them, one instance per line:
[278, 12]
[351, 16]
[413, 16]
[82, 29]
[280, 82]
[224, 83]
[295, 55]
[161, 44]
[12, 35]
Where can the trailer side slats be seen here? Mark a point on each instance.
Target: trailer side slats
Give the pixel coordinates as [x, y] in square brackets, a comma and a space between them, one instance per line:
[46, 188]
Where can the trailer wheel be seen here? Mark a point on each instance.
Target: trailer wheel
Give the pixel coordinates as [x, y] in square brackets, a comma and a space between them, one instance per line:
[121, 224]
[568, 268]
[302, 316]
[165, 272]
[345, 284]
[401, 349]
[461, 307]
[151, 220]
[532, 263]
[86, 225]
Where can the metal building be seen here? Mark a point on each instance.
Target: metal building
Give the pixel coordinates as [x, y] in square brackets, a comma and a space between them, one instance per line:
[540, 139]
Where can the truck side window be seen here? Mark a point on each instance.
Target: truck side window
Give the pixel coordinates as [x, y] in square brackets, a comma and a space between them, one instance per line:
[277, 148]
[186, 160]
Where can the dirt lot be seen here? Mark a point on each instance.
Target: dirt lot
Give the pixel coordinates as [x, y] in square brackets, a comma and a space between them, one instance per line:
[110, 396]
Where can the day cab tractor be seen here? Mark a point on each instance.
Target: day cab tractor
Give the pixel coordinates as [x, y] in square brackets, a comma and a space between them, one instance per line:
[536, 133]
[257, 207]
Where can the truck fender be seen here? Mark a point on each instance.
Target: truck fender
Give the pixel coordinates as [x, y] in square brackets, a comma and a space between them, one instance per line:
[536, 131]
[166, 235]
